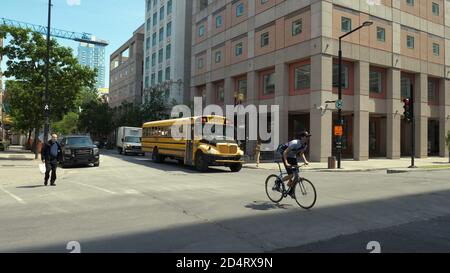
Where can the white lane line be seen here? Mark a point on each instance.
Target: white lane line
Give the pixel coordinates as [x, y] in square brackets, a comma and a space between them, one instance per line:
[20, 200]
[132, 191]
[95, 187]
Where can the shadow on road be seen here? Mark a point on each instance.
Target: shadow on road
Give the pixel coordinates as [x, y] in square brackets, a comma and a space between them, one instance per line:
[263, 205]
[167, 166]
[30, 187]
[297, 227]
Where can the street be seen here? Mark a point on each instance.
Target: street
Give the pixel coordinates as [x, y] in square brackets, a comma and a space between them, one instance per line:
[130, 204]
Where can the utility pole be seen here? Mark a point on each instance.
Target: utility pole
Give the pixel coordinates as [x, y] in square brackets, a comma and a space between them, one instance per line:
[47, 68]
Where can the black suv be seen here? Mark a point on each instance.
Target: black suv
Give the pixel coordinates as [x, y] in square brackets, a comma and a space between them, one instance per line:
[79, 150]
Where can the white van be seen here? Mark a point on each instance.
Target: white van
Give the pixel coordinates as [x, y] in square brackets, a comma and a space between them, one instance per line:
[129, 140]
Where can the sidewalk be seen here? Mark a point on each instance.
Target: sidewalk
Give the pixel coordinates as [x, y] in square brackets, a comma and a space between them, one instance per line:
[16, 156]
[398, 165]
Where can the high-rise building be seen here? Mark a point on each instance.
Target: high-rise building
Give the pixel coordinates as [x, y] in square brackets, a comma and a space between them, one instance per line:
[126, 71]
[93, 56]
[167, 48]
[285, 52]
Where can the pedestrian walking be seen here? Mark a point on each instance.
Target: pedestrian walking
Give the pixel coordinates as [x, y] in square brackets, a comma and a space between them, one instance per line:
[258, 152]
[51, 155]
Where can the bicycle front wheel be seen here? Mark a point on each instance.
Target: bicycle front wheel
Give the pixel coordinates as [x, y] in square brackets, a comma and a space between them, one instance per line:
[305, 194]
[274, 188]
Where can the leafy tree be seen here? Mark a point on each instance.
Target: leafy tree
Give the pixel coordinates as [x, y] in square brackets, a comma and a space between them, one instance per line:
[96, 118]
[68, 124]
[26, 55]
[154, 108]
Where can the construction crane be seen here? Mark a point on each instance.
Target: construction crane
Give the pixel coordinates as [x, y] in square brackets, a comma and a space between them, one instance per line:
[69, 35]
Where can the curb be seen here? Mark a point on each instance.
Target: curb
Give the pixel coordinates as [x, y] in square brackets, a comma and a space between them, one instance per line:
[324, 170]
[394, 171]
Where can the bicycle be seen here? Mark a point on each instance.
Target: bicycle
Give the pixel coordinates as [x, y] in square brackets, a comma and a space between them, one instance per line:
[304, 191]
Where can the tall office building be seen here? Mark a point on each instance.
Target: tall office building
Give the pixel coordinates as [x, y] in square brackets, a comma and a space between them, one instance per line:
[167, 48]
[285, 52]
[93, 56]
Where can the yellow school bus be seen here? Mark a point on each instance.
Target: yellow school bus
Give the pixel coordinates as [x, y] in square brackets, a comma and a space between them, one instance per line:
[217, 150]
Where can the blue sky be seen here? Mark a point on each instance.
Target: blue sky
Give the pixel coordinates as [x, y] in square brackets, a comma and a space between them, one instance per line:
[111, 20]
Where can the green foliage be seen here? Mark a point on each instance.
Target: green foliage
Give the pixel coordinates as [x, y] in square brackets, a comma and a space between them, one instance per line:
[68, 125]
[26, 54]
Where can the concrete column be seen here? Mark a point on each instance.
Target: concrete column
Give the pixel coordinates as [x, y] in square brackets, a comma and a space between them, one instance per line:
[361, 112]
[252, 87]
[321, 123]
[229, 91]
[421, 115]
[281, 99]
[444, 115]
[393, 102]
[209, 93]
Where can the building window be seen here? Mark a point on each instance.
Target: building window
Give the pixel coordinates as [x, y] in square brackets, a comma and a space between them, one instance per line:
[155, 18]
[169, 29]
[160, 76]
[436, 49]
[410, 42]
[153, 79]
[147, 63]
[219, 21]
[346, 24]
[220, 93]
[153, 59]
[146, 82]
[168, 52]
[264, 2]
[149, 25]
[161, 14]
[201, 31]
[169, 7]
[345, 76]
[375, 82]
[239, 10]
[268, 82]
[241, 89]
[218, 56]
[149, 5]
[432, 90]
[265, 39]
[147, 43]
[200, 64]
[435, 9]
[154, 39]
[381, 34]
[410, 2]
[161, 34]
[160, 56]
[238, 49]
[297, 27]
[302, 77]
[167, 73]
[406, 87]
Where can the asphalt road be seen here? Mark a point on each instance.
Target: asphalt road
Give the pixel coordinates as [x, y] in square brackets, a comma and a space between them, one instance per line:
[130, 204]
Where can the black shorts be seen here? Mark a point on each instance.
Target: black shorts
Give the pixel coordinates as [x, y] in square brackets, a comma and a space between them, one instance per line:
[292, 162]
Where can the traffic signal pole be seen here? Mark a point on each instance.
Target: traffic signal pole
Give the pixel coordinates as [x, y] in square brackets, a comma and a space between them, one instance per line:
[413, 129]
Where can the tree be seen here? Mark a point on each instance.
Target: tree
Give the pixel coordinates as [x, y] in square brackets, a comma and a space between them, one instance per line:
[154, 108]
[26, 54]
[68, 124]
[96, 118]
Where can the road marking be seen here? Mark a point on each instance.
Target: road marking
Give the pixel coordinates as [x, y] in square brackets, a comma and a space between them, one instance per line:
[95, 187]
[132, 191]
[20, 200]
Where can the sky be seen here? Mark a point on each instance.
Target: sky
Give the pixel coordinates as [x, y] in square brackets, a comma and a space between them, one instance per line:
[111, 20]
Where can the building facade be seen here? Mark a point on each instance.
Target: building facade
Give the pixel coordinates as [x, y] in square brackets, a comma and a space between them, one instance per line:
[167, 43]
[285, 52]
[126, 71]
[93, 56]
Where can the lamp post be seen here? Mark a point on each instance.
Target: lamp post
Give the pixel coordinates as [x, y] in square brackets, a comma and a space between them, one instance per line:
[47, 64]
[340, 120]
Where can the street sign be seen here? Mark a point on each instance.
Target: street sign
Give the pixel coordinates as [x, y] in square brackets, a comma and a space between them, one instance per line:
[339, 104]
[338, 130]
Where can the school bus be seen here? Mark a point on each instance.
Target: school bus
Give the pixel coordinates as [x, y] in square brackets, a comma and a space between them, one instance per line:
[216, 150]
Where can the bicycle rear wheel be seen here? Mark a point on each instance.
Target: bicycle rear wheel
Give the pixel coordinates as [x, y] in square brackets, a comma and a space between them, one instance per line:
[305, 194]
[274, 188]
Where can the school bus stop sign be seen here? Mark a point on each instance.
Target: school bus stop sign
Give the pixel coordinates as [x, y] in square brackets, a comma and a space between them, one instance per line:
[338, 130]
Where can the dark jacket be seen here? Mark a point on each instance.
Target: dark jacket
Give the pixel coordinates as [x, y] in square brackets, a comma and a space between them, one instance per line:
[45, 153]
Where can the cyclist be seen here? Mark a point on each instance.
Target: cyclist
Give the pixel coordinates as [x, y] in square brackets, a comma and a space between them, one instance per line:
[289, 153]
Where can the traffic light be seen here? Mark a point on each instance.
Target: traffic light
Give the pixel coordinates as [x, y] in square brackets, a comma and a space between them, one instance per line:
[408, 110]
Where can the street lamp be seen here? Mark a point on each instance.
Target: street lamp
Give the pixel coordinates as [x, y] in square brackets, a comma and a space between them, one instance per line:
[340, 121]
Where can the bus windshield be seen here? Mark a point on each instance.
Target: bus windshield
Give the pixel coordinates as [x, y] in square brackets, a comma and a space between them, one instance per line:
[218, 132]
